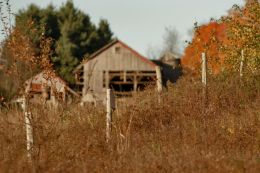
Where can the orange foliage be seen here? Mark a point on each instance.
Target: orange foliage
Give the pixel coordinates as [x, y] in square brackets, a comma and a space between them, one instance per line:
[208, 38]
[224, 41]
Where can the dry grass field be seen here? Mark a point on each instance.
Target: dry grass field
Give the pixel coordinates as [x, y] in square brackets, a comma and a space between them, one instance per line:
[185, 132]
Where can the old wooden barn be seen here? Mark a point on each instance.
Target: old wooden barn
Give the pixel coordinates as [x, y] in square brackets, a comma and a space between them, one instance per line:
[115, 66]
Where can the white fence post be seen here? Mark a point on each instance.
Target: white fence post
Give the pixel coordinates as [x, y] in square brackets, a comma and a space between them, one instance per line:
[204, 69]
[204, 77]
[159, 79]
[159, 82]
[28, 127]
[110, 105]
[242, 63]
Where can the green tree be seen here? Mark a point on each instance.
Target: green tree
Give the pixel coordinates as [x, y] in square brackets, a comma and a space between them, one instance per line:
[31, 16]
[104, 33]
[74, 35]
[43, 21]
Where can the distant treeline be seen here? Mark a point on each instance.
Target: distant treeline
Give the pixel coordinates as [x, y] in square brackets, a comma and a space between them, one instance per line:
[74, 36]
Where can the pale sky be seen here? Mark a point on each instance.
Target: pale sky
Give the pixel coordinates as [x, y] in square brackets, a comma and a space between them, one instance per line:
[141, 23]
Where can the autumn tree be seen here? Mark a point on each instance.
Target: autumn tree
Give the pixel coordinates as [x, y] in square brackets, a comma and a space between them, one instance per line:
[22, 62]
[223, 41]
[208, 38]
[243, 34]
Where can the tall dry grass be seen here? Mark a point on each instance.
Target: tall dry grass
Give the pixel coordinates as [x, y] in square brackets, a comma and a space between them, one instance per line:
[181, 134]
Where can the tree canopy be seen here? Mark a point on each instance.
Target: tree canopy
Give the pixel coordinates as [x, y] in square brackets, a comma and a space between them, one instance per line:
[244, 34]
[224, 40]
[73, 34]
[208, 38]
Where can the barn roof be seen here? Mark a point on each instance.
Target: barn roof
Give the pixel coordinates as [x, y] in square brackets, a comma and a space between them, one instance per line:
[46, 78]
[94, 55]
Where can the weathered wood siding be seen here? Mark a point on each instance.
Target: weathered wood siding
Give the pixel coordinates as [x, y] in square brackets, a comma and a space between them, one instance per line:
[115, 58]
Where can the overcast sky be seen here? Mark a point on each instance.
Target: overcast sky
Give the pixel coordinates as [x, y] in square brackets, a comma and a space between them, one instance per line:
[141, 23]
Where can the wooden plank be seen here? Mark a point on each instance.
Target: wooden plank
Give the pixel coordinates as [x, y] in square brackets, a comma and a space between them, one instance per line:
[107, 79]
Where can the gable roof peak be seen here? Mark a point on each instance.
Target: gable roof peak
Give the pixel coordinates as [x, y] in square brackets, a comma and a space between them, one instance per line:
[113, 42]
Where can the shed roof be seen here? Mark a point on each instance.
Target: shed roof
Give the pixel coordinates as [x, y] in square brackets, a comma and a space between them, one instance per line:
[170, 55]
[49, 79]
[94, 55]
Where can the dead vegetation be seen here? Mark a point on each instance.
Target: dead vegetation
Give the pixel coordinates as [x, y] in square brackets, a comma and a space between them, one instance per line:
[181, 134]
[185, 132]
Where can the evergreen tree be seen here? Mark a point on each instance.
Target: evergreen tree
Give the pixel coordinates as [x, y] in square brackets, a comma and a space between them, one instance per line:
[74, 35]
[104, 32]
[31, 17]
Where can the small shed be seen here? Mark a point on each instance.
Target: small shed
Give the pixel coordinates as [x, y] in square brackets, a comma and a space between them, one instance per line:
[171, 67]
[171, 59]
[47, 87]
[115, 66]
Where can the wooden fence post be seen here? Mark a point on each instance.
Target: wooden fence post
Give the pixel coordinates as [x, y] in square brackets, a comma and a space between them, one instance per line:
[159, 82]
[159, 79]
[204, 69]
[28, 127]
[242, 64]
[110, 106]
[204, 78]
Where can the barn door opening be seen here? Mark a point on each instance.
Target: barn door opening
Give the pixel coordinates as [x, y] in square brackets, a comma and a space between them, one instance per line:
[126, 82]
[119, 85]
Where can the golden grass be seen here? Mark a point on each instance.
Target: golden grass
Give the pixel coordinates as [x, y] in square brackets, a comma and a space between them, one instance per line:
[181, 134]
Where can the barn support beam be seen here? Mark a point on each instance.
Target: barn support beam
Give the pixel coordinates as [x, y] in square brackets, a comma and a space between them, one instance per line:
[84, 89]
[124, 76]
[135, 83]
[107, 79]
